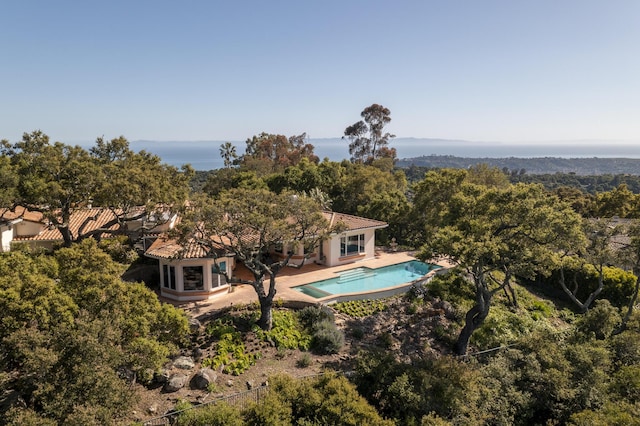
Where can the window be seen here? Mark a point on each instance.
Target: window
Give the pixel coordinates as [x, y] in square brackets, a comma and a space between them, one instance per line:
[218, 279]
[165, 276]
[172, 277]
[193, 278]
[352, 245]
[169, 277]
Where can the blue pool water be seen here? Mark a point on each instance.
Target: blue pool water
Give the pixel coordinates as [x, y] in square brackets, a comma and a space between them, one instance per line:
[364, 279]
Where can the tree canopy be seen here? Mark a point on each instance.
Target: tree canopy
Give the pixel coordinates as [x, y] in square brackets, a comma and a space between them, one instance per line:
[367, 142]
[248, 224]
[266, 153]
[58, 179]
[69, 326]
[496, 234]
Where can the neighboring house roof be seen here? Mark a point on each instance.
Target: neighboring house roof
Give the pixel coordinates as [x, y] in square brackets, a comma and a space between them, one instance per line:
[20, 213]
[95, 218]
[167, 248]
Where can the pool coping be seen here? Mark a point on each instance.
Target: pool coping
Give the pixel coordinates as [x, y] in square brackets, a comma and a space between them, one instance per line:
[369, 294]
[245, 294]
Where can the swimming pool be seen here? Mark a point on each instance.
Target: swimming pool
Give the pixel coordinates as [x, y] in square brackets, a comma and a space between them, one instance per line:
[363, 279]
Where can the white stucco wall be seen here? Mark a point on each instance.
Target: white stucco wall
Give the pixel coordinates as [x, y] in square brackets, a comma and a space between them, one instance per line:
[186, 295]
[332, 248]
[6, 235]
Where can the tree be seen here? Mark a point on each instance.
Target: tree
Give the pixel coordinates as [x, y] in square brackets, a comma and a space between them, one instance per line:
[366, 149]
[248, 224]
[482, 174]
[598, 253]
[58, 179]
[70, 326]
[495, 235]
[8, 182]
[323, 400]
[228, 154]
[630, 255]
[267, 153]
[617, 202]
[136, 186]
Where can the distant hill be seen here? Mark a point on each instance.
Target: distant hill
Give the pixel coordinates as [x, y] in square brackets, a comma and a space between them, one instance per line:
[580, 157]
[536, 165]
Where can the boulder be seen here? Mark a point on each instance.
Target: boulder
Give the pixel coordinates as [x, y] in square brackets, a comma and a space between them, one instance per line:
[175, 382]
[184, 363]
[203, 378]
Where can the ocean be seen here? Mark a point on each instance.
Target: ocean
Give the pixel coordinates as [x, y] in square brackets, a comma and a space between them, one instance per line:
[205, 155]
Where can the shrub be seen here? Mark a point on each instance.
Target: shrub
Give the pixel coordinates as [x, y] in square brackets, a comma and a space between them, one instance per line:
[304, 361]
[625, 348]
[327, 339]
[312, 315]
[217, 328]
[502, 326]
[543, 307]
[326, 400]
[286, 332]
[357, 333]
[119, 249]
[231, 355]
[360, 308]
[218, 414]
[453, 288]
[600, 321]
[386, 339]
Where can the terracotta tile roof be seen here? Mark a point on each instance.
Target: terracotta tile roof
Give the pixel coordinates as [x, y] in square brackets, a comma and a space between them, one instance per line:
[353, 223]
[166, 248]
[20, 213]
[96, 218]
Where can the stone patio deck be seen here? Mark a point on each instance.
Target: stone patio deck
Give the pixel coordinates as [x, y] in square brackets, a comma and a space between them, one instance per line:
[286, 280]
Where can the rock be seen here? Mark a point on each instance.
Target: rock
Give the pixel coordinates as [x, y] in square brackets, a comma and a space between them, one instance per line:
[203, 378]
[250, 384]
[230, 383]
[194, 325]
[126, 374]
[153, 409]
[184, 363]
[175, 382]
[449, 310]
[162, 376]
[198, 353]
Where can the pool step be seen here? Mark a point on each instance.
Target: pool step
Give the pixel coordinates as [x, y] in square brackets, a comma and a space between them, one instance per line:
[355, 274]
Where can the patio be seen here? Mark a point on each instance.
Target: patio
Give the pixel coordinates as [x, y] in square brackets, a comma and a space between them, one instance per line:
[286, 280]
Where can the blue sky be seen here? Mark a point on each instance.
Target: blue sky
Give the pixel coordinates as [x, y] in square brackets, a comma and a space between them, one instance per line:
[487, 70]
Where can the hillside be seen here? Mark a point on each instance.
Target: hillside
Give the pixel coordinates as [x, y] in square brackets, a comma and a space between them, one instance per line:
[534, 165]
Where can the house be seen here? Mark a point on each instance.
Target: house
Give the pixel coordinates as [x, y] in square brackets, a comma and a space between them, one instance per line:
[33, 229]
[191, 273]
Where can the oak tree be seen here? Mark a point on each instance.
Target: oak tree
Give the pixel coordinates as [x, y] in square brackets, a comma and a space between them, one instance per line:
[248, 224]
[58, 179]
[497, 234]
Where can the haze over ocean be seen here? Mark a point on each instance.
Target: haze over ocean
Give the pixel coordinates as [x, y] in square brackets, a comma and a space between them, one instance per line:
[205, 155]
